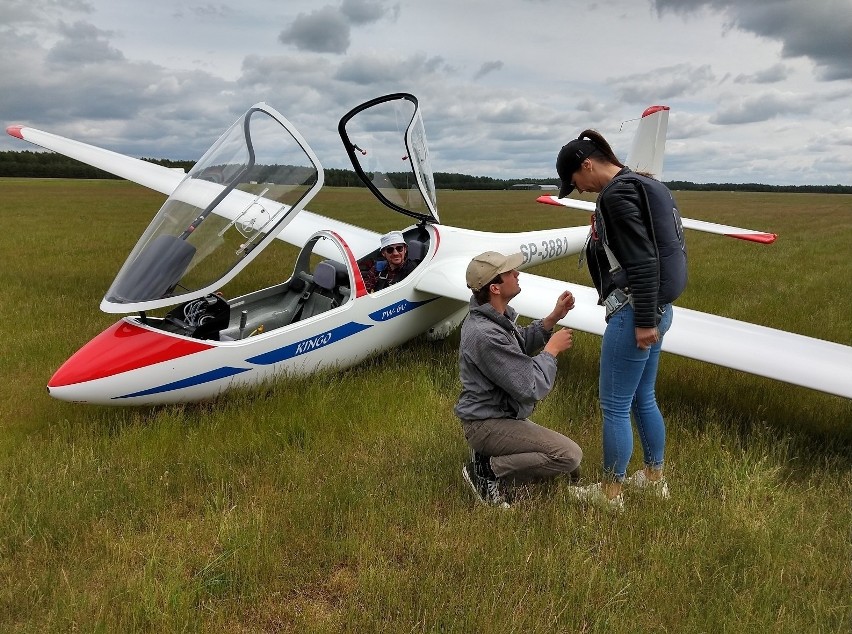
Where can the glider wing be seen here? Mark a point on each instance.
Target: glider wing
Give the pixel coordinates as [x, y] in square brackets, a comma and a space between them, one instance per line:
[153, 176]
[697, 225]
[806, 361]
[165, 180]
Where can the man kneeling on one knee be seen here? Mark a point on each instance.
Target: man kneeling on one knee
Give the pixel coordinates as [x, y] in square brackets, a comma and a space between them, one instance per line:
[505, 370]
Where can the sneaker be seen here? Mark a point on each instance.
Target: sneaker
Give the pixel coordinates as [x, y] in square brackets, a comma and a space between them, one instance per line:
[482, 466]
[486, 490]
[594, 494]
[639, 480]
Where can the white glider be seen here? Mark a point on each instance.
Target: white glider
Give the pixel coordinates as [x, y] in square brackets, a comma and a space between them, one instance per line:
[252, 186]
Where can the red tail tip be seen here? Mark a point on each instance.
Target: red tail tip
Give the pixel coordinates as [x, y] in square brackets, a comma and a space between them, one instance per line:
[15, 130]
[652, 109]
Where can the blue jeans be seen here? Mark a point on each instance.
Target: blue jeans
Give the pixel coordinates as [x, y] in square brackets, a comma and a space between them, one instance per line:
[627, 378]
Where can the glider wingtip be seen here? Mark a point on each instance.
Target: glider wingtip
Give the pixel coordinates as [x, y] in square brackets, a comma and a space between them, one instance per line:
[15, 130]
[763, 238]
[547, 200]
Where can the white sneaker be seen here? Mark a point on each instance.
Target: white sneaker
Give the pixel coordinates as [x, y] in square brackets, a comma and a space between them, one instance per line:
[594, 494]
[639, 480]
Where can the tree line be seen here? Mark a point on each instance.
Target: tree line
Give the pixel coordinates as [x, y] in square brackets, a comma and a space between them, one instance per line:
[29, 164]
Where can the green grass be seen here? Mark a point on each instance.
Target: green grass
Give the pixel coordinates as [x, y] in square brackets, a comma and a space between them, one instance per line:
[335, 503]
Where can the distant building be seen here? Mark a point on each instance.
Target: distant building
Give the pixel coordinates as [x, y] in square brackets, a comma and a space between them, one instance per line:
[535, 186]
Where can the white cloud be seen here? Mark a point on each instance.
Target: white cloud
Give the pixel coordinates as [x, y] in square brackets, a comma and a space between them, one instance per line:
[325, 30]
[488, 67]
[774, 74]
[746, 85]
[817, 30]
[762, 107]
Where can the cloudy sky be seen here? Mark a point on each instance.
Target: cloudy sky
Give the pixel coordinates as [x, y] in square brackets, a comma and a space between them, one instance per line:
[759, 90]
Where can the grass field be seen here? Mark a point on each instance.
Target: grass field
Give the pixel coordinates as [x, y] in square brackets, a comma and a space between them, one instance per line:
[335, 503]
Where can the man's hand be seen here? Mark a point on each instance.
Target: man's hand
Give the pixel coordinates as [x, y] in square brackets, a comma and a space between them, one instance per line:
[560, 341]
[563, 305]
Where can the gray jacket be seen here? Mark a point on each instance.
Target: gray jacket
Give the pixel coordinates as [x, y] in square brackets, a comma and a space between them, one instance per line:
[499, 377]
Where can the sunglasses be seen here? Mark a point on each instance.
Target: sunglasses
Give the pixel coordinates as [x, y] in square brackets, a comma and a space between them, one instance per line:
[399, 248]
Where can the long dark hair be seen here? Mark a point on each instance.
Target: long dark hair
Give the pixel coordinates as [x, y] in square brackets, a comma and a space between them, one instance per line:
[602, 148]
[604, 151]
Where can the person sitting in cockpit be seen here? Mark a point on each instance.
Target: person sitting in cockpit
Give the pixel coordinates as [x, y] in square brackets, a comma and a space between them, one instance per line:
[392, 266]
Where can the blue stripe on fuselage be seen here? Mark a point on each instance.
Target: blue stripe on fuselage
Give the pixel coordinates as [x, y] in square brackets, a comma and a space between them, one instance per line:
[198, 379]
[309, 345]
[289, 351]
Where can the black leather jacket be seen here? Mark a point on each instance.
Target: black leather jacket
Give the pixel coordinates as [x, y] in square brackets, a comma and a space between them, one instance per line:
[637, 218]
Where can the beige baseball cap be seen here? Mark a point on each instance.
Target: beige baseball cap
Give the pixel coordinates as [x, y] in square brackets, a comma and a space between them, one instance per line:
[486, 266]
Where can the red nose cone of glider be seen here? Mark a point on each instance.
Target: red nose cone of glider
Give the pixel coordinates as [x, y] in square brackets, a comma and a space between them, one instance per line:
[122, 347]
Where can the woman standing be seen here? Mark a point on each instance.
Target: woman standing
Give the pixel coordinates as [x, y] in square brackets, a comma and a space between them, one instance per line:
[637, 259]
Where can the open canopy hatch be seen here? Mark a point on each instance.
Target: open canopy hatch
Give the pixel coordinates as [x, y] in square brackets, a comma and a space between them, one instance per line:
[386, 142]
[233, 202]
[251, 183]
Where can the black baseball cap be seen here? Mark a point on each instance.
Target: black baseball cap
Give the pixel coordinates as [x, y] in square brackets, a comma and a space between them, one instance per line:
[570, 157]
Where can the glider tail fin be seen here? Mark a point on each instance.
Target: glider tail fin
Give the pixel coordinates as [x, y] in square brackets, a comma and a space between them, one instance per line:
[649, 144]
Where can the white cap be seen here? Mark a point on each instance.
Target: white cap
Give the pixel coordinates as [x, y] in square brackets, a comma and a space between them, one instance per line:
[394, 237]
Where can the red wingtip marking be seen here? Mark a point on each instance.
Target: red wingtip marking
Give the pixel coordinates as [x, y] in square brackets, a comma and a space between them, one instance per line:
[547, 200]
[763, 238]
[652, 109]
[15, 130]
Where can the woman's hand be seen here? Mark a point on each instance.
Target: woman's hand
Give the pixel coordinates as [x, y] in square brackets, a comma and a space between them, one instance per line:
[646, 337]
